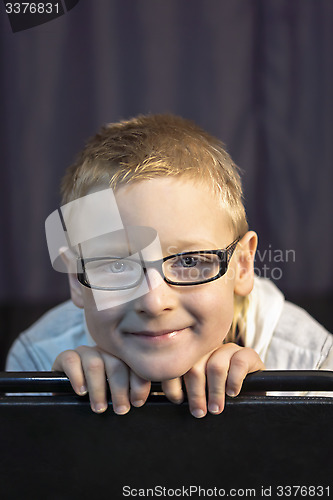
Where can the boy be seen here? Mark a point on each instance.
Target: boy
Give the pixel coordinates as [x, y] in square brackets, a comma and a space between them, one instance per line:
[161, 261]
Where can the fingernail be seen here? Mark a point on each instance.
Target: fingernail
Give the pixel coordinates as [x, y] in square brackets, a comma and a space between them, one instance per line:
[121, 410]
[198, 413]
[231, 393]
[83, 390]
[99, 408]
[213, 408]
[138, 403]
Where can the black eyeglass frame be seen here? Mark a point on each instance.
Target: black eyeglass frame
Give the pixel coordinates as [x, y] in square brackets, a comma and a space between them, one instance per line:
[224, 255]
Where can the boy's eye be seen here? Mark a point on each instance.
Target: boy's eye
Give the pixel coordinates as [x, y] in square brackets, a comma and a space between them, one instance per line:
[113, 273]
[111, 266]
[191, 261]
[118, 266]
[188, 261]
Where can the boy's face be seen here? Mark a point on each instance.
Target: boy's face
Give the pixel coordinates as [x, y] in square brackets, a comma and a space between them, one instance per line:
[163, 333]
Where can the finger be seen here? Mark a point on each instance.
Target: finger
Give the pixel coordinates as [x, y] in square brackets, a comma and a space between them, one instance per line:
[244, 361]
[70, 362]
[139, 389]
[94, 370]
[173, 390]
[195, 381]
[217, 372]
[118, 378]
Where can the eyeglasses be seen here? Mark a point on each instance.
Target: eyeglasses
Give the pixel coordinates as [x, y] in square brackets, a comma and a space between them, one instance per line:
[181, 269]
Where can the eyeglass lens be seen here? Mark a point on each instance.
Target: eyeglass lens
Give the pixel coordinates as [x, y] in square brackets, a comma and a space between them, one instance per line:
[126, 272]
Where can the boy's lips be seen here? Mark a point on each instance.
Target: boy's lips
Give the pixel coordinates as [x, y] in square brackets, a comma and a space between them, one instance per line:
[158, 335]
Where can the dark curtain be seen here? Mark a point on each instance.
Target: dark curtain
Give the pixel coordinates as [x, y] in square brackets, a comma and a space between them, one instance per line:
[256, 73]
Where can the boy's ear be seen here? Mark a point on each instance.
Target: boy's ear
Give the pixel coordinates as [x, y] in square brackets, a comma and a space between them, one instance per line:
[68, 258]
[245, 253]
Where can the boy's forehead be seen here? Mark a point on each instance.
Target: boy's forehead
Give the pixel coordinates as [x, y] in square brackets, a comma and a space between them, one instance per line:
[94, 222]
[174, 207]
[91, 216]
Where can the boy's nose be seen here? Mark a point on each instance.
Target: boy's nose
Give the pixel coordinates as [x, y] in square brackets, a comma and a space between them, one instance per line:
[161, 296]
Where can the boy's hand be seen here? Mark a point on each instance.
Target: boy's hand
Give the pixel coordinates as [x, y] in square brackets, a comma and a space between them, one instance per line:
[225, 370]
[87, 369]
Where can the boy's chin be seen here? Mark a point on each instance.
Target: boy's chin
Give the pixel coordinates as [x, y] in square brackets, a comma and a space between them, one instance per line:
[159, 373]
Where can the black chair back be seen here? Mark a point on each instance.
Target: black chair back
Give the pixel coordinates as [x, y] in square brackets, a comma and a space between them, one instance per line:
[54, 447]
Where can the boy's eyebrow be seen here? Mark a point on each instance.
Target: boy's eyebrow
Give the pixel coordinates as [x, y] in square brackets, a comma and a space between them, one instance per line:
[200, 244]
[107, 251]
[122, 243]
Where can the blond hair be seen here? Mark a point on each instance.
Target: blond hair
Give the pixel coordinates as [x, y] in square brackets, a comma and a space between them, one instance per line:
[150, 146]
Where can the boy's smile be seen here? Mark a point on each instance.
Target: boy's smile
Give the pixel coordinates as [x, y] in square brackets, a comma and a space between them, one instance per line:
[160, 335]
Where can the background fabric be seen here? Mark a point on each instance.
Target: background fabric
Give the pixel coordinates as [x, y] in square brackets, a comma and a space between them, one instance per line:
[256, 73]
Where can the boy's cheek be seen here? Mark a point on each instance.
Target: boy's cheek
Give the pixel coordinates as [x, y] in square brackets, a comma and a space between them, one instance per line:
[214, 317]
[116, 300]
[215, 301]
[101, 323]
[99, 304]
